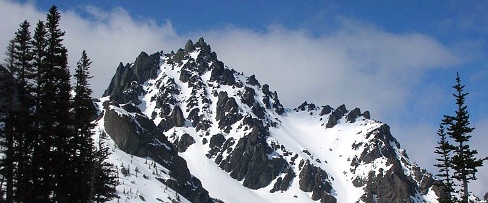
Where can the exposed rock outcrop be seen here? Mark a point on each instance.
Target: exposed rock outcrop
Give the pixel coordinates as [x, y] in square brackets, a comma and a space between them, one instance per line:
[144, 67]
[314, 179]
[250, 162]
[136, 134]
[352, 115]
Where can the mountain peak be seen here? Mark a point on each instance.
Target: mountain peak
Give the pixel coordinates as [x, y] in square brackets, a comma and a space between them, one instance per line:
[219, 121]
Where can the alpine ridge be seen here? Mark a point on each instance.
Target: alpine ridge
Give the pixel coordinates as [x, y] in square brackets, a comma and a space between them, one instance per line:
[184, 127]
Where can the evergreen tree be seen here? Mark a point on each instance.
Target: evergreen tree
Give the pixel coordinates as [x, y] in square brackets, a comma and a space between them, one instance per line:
[42, 183]
[444, 150]
[84, 112]
[23, 115]
[18, 117]
[49, 153]
[62, 133]
[8, 128]
[104, 178]
[463, 162]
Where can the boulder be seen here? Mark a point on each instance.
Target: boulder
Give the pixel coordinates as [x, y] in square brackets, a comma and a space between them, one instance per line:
[248, 96]
[366, 115]
[184, 142]
[332, 121]
[177, 118]
[217, 140]
[352, 115]
[325, 110]
[252, 81]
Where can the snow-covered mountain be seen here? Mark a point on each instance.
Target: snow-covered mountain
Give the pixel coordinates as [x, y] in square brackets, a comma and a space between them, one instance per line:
[184, 127]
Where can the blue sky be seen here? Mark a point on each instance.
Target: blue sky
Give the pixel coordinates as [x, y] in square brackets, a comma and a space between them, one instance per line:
[397, 59]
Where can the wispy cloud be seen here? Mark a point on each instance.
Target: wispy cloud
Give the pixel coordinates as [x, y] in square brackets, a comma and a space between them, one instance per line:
[358, 65]
[109, 37]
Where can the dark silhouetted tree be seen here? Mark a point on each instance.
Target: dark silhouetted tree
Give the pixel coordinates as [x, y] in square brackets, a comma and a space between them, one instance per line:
[42, 183]
[463, 162]
[443, 149]
[62, 134]
[8, 124]
[105, 178]
[84, 112]
[24, 76]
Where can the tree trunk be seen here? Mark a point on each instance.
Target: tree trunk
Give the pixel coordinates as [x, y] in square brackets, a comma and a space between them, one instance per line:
[466, 192]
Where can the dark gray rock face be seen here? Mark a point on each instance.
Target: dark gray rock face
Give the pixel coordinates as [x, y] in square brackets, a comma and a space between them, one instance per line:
[217, 140]
[332, 121]
[140, 137]
[227, 112]
[177, 118]
[258, 110]
[130, 95]
[144, 67]
[194, 117]
[314, 179]
[271, 100]
[125, 132]
[277, 105]
[306, 107]
[392, 185]
[174, 119]
[366, 115]
[336, 115]
[221, 74]
[327, 198]
[282, 184]
[252, 81]
[248, 96]
[341, 109]
[189, 46]
[179, 56]
[184, 142]
[250, 161]
[352, 115]
[325, 110]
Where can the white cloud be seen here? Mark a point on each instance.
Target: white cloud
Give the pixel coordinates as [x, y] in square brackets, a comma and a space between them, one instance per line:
[11, 15]
[113, 37]
[478, 142]
[358, 65]
[108, 37]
